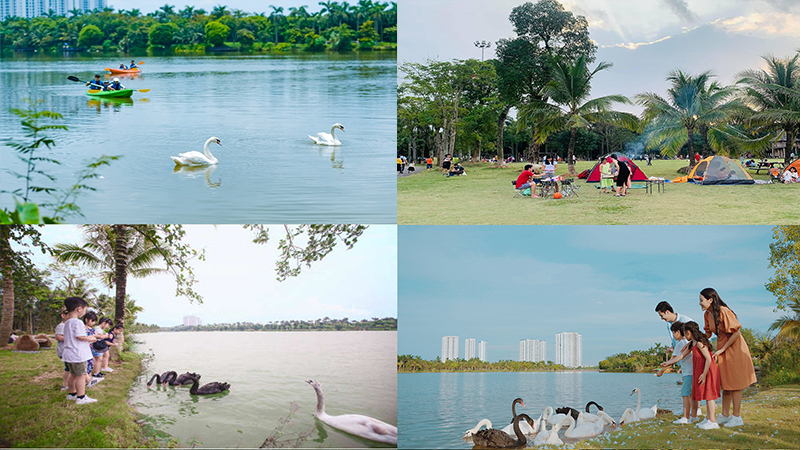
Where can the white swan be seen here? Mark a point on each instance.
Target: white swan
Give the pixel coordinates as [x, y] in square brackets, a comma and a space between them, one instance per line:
[366, 427]
[629, 416]
[544, 433]
[197, 158]
[590, 429]
[647, 413]
[552, 438]
[323, 138]
[468, 434]
[523, 426]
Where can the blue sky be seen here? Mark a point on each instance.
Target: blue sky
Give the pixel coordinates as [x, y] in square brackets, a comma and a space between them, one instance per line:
[506, 283]
[643, 39]
[237, 279]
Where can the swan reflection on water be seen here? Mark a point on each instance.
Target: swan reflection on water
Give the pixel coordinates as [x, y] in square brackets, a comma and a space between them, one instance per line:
[336, 164]
[196, 171]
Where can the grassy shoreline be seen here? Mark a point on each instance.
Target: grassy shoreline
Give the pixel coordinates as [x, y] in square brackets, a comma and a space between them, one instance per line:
[35, 413]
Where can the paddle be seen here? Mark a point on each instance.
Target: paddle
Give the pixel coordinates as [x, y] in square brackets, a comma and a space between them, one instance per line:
[74, 78]
[140, 63]
[95, 91]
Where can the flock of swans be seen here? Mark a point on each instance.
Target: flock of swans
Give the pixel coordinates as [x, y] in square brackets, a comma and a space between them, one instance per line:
[172, 378]
[581, 425]
[195, 158]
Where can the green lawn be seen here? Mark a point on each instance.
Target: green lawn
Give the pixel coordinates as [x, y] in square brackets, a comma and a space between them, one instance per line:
[772, 420]
[35, 413]
[485, 196]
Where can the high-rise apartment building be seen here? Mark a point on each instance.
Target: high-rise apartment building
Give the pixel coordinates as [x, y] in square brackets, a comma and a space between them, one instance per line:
[449, 347]
[469, 349]
[532, 350]
[191, 321]
[35, 8]
[482, 350]
[568, 349]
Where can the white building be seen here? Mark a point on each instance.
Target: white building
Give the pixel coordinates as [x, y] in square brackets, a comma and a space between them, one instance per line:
[191, 321]
[469, 349]
[482, 350]
[532, 350]
[568, 349]
[449, 347]
[35, 8]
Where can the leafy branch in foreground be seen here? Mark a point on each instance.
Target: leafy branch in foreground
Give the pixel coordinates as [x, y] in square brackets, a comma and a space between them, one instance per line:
[273, 442]
[305, 244]
[63, 204]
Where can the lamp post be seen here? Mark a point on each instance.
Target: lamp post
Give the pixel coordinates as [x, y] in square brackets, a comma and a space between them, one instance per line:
[482, 45]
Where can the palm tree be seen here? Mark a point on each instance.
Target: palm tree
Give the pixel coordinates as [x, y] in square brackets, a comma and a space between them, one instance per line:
[116, 251]
[327, 7]
[694, 104]
[788, 326]
[219, 11]
[276, 15]
[568, 90]
[187, 12]
[163, 13]
[773, 93]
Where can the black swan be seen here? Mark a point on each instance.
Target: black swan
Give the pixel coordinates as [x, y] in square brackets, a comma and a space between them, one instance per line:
[186, 378]
[574, 412]
[210, 388]
[514, 408]
[162, 379]
[494, 438]
[356, 424]
[170, 378]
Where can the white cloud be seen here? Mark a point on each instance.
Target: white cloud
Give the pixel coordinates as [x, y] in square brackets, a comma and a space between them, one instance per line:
[635, 45]
[771, 24]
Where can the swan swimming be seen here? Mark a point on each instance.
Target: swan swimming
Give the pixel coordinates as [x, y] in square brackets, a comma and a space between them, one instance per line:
[356, 424]
[494, 438]
[196, 158]
[469, 433]
[323, 138]
[214, 387]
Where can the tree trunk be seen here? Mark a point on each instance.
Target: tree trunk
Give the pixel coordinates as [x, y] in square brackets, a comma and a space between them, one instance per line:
[120, 271]
[789, 149]
[7, 320]
[476, 156]
[691, 147]
[439, 141]
[571, 151]
[501, 124]
[532, 153]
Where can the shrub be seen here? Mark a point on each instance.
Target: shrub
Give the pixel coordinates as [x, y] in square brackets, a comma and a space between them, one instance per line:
[90, 35]
[216, 33]
[162, 34]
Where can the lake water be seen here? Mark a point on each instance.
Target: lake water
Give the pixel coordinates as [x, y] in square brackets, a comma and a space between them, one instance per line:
[262, 108]
[267, 371]
[435, 409]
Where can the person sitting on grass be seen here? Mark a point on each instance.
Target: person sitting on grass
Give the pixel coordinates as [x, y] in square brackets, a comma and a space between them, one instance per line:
[689, 405]
[60, 346]
[77, 350]
[527, 179]
[790, 176]
[457, 170]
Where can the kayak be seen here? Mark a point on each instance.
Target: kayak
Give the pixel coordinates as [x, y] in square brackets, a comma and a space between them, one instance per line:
[118, 71]
[112, 94]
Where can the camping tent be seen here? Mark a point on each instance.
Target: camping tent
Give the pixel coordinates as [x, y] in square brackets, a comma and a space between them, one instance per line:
[593, 175]
[719, 170]
[795, 164]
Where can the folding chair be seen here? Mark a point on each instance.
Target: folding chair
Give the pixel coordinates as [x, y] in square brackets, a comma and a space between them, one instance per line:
[547, 187]
[569, 188]
[518, 192]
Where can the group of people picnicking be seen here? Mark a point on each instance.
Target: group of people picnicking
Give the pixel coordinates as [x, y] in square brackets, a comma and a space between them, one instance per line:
[84, 344]
[99, 84]
[705, 371]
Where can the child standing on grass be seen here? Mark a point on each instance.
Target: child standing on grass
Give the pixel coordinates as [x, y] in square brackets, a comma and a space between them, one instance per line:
[735, 363]
[684, 360]
[60, 346]
[76, 350]
[95, 363]
[705, 382]
[104, 325]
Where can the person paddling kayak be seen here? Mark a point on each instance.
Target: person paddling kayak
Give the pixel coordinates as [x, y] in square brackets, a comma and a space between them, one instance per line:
[133, 64]
[96, 83]
[116, 85]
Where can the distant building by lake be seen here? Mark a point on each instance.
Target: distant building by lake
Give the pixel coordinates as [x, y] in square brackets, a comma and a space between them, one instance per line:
[192, 321]
[469, 349]
[532, 350]
[449, 347]
[568, 349]
[482, 350]
[35, 8]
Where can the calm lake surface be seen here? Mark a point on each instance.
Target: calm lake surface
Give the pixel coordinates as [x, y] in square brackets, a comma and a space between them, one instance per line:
[262, 108]
[435, 409]
[267, 371]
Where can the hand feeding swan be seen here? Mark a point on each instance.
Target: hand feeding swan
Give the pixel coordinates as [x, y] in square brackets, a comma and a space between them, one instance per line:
[323, 138]
[647, 413]
[366, 427]
[196, 158]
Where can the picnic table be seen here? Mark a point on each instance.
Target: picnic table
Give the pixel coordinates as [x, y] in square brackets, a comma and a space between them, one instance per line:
[766, 165]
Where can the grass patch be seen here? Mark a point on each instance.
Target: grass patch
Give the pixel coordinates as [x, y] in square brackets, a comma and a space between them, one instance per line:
[485, 197]
[35, 413]
[772, 420]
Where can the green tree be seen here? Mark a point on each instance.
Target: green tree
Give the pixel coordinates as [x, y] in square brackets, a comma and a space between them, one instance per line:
[788, 326]
[10, 261]
[571, 107]
[367, 36]
[90, 35]
[163, 34]
[216, 33]
[276, 15]
[246, 38]
[784, 257]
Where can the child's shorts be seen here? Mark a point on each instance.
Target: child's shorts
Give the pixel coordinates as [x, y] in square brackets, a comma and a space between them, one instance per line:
[686, 389]
[96, 353]
[77, 369]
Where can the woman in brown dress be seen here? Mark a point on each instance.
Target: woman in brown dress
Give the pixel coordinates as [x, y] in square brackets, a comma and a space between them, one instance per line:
[733, 356]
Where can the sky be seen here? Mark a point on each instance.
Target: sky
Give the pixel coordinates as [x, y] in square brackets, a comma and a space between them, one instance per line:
[237, 279]
[644, 39]
[250, 6]
[503, 284]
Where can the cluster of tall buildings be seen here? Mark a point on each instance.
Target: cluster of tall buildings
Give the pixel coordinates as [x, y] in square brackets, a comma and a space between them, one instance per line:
[567, 348]
[36, 8]
[191, 321]
[450, 348]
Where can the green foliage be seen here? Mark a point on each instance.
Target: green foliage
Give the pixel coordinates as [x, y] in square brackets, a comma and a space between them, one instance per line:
[412, 363]
[367, 36]
[341, 39]
[162, 34]
[782, 366]
[325, 324]
[785, 259]
[90, 35]
[246, 38]
[390, 34]
[216, 33]
[636, 361]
